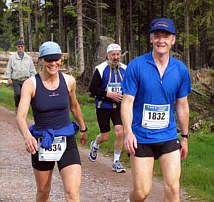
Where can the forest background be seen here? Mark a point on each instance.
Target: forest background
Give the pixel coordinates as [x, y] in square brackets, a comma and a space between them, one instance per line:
[78, 24]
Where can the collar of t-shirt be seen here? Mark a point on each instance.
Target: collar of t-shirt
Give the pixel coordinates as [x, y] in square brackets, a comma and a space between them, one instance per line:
[21, 55]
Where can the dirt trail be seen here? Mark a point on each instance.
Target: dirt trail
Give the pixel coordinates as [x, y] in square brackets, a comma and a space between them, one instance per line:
[99, 183]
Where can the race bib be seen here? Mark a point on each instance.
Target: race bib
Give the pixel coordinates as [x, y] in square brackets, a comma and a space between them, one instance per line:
[155, 116]
[56, 151]
[114, 87]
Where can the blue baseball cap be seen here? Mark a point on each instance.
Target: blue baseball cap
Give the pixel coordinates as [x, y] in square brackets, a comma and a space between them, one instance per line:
[20, 42]
[50, 51]
[163, 24]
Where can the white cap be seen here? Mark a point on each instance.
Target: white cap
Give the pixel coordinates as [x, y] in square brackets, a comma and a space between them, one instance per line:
[112, 47]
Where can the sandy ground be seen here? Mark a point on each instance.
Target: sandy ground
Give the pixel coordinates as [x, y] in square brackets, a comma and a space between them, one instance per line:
[99, 183]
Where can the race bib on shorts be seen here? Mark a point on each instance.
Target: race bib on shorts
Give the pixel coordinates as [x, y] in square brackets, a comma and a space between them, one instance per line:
[56, 151]
[114, 87]
[155, 116]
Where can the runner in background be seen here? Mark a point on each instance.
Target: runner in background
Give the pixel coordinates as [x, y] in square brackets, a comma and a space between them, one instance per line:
[51, 95]
[106, 88]
[152, 84]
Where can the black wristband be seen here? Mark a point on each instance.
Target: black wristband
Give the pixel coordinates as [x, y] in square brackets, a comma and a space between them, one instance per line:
[83, 131]
[185, 136]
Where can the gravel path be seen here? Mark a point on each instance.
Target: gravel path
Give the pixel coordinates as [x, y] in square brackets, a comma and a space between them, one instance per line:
[99, 183]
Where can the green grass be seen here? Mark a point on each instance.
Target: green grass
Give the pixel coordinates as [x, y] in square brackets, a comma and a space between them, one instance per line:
[197, 170]
[6, 97]
[198, 173]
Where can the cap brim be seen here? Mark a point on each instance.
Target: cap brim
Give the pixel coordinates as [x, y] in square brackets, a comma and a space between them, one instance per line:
[52, 57]
[162, 28]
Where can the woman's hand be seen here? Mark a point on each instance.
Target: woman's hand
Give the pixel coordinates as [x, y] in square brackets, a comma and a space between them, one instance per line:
[31, 144]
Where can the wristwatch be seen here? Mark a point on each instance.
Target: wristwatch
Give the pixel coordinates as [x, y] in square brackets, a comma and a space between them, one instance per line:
[185, 136]
[83, 131]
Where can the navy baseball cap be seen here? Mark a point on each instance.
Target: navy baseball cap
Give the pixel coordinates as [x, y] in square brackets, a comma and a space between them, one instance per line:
[20, 42]
[163, 24]
[50, 51]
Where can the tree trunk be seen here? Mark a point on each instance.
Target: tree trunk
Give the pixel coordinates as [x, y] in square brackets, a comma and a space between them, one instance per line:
[80, 37]
[29, 27]
[21, 22]
[186, 46]
[117, 36]
[139, 33]
[98, 29]
[46, 23]
[68, 51]
[130, 31]
[162, 8]
[60, 23]
[197, 53]
[36, 25]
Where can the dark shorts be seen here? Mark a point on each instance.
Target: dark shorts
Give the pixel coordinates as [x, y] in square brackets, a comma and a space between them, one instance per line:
[104, 116]
[157, 149]
[70, 157]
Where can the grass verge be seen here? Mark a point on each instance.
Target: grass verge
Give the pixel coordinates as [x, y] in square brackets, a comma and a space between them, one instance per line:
[197, 170]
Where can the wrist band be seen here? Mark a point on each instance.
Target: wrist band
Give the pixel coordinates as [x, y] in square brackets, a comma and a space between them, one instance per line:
[83, 131]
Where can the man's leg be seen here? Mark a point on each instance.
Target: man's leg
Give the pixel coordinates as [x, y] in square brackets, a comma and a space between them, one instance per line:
[142, 172]
[170, 164]
[118, 144]
[17, 92]
[103, 118]
[102, 137]
[43, 181]
[71, 177]
[94, 147]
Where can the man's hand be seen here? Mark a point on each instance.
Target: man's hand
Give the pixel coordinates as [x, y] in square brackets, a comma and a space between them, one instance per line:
[115, 96]
[83, 138]
[184, 149]
[130, 143]
[9, 82]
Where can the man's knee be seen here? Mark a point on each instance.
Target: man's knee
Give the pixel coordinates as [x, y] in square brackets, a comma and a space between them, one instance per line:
[173, 190]
[105, 136]
[72, 195]
[119, 133]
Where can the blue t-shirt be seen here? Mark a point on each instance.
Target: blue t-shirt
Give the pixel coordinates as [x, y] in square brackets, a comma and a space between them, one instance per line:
[153, 108]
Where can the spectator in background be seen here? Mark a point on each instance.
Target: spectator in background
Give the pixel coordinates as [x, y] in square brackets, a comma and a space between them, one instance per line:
[19, 68]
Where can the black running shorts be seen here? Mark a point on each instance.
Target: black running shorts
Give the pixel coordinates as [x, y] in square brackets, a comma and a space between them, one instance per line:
[104, 116]
[157, 149]
[70, 157]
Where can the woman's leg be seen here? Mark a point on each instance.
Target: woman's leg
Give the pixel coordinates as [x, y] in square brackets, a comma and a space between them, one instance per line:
[43, 181]
[71, 177]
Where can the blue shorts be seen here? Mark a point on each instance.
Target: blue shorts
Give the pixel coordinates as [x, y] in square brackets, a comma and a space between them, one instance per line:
[71, 156]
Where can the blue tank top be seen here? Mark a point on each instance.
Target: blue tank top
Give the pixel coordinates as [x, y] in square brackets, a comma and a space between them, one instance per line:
[50, 107]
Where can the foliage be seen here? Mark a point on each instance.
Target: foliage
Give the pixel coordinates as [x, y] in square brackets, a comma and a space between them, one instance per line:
[70, 10]
[200, 13]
